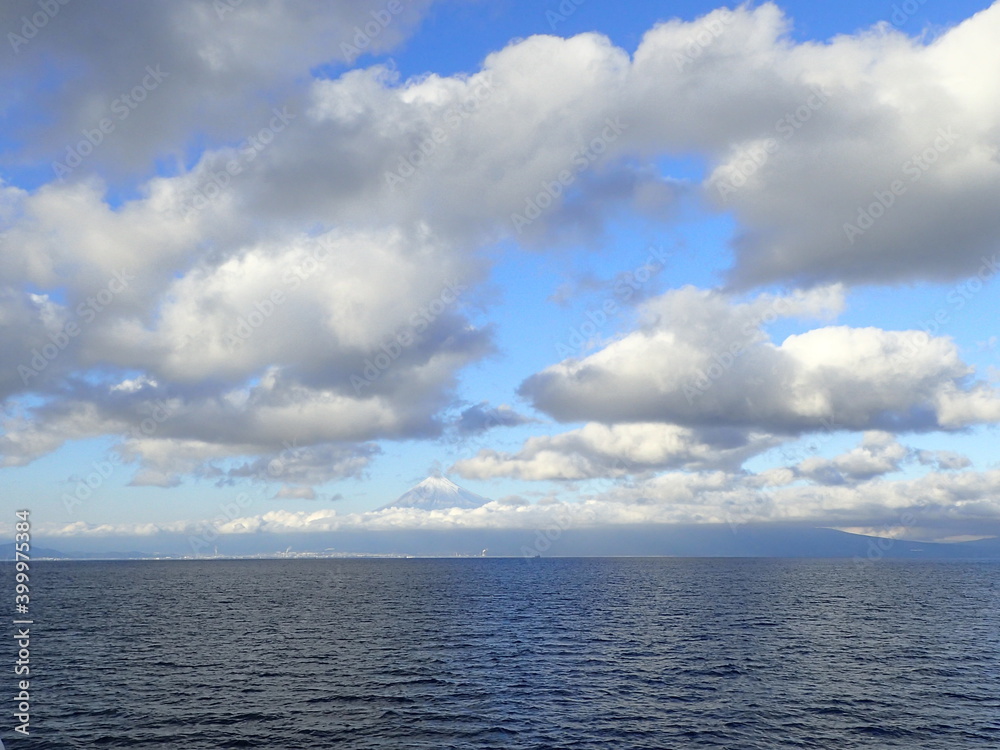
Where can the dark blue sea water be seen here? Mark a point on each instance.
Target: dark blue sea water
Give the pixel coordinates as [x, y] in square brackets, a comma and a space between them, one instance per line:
[492, 653]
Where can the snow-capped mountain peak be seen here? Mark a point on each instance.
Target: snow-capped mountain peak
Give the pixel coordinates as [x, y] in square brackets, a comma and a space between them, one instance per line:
[437, 493]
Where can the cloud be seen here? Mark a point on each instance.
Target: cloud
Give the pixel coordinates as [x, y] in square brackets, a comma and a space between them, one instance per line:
[164, 461]
[295, 493]
[345, 337]
[480, 418]
[943, 460]
[308, 466]
[568, 290]
[807, 137]
[220, 65]
[303, 294]
[700, 360]
[355, 130]
[597, 450]
[962, 502]
[879, 453]
[933, 506]
[29, 434]
[826, 129]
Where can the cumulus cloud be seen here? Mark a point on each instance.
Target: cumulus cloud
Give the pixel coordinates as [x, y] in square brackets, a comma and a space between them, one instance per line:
[943, 460]
[221, 65]
[163, 462]
[879, 453]
[315, 292]
[827, 129]
[29, 434]
[481, 417]
[699, 359]
[340, 338]
[597, 450]
[804, 136]
[308, 466]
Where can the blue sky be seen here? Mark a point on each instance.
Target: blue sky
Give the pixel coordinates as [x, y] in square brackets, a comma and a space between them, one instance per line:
[299, 150]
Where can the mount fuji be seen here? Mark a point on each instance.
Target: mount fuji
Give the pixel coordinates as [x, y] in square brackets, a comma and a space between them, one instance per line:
[437, 493]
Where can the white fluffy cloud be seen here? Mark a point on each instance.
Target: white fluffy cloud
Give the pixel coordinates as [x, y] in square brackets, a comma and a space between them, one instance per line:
[804, 135]
[355, 129]
[597, 450]
[944, 460]
[699, 359]
[879, 453]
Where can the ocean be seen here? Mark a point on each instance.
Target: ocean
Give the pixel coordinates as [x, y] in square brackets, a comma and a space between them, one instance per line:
[512, 653]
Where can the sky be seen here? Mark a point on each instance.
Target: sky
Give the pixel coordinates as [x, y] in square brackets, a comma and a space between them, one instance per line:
[266, 265]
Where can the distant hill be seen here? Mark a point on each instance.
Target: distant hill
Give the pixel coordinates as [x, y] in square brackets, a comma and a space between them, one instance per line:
[437, 493]
[698, 540]
[982, 548]
[37, 553]
[7, 552]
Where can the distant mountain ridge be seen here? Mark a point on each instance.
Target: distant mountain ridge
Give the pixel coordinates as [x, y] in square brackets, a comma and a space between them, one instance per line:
[634, 540]
[437, 493]
[7, 552]
[47, 553]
